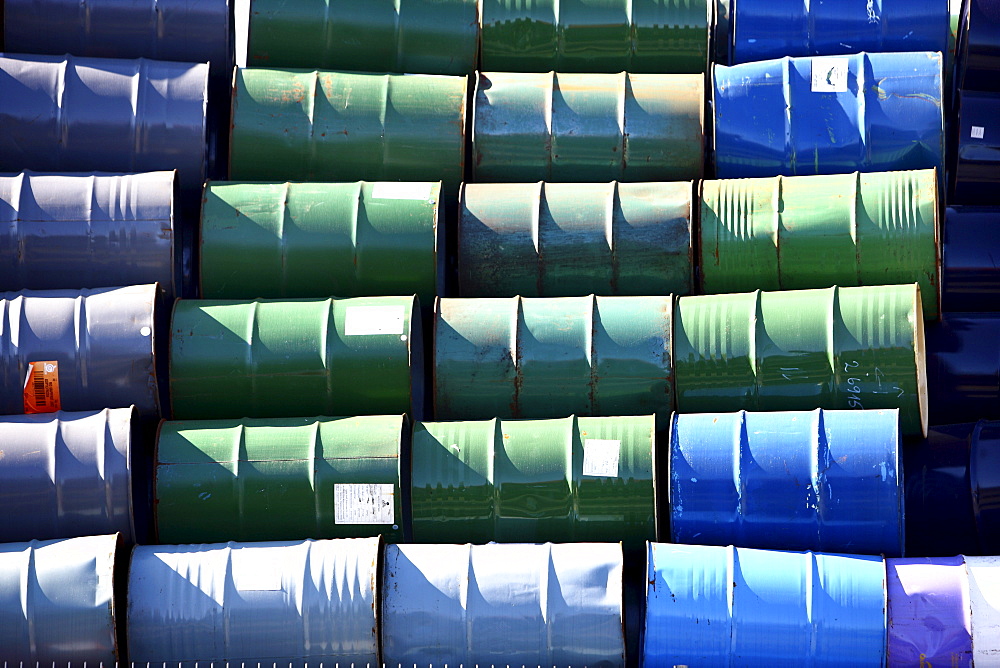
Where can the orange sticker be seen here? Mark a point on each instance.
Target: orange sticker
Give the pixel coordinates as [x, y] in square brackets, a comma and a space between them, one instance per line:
[41, 388]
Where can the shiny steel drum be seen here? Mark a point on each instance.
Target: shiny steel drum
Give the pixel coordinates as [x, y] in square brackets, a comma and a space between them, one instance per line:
[984, 474]
[588, 127]
[978, 57]
[296, 358]
[548, 605]
[57, 602]
[725, 606]
[69, 114]
[803, 349]
[278, 240]
[929, 615]
[766, 29]
[653, 36]
[984, 594]
[797, 232]
[970, 274]
[829, 115]
[88, 231]
[295, 603]
[551, 357]
[571, 239]
[67, 474]
[963, 368]
[821, 480]
[976, 171]
[568, 479]
[101, 342]
[280, 479]
[415, 36]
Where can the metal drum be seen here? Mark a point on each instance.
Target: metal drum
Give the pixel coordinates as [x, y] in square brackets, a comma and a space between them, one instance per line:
[963, 368]
[978, 56]
[976, 171]
[970, 274]
[984, 594]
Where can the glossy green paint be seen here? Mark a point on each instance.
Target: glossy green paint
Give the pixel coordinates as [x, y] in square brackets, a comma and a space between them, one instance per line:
[843, 348]
[571, 239]
[304, 125]
[798, 232]
[588, 127]
[296, 358]
[564, 480]
[655, 36]
[278, 240]
[276, 479]
[413, 36]
[551, 357]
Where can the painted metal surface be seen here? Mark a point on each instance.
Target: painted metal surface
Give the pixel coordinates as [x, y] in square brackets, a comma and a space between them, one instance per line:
[788, 480]
[977, 164]
[725, 606]
[287, 240]
[588, 127]
[57, 601]
[570, 239]
[797, 232]
[101, 340]
[978, 58]
[836, 348]
[970, 275]
[414, 36]
[652, 36]
[291, 603]
[341, 126]
[866, 112]
[567, 480]
[984, 594]
[549, 605]
[306, 357]
[550, 357]
[765, 29]
[279, 479]
[929, 613]
[963, 368]
[69, 114]
[93, 231]
[67, 474]
[984, 475]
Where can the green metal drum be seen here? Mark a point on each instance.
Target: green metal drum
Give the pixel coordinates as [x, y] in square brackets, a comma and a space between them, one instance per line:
[280, 479]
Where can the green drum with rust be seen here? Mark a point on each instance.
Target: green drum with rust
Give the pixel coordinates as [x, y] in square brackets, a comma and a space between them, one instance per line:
[835, 348]
[280, 479]
[570, 239]
[652, 36]
[800, 232]
[574, 128]
[413, 36]
[575, 479]
[305, 125]
[296, 358]
[549, 357]
[276, 240]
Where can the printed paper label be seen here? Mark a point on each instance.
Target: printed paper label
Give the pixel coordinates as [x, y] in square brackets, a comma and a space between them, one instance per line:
[362, 320]
[364, 503]
[829, 75]
[256, 569]
[978, 132]
[600, 457]
[420, 190]
[41, 388]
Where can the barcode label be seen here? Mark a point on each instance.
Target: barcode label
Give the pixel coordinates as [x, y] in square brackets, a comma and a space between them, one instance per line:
[600, 457]
[978, 132]
[364, 503]
[41, 388]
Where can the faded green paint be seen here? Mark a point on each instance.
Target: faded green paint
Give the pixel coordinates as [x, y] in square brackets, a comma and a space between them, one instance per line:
[296, 358]
[275, 479]
[652, 36]
[588, 127]
[281, 240]
[303, 125]
[564, 480]
[571, 239]
[413, 36]
[843, 348]
[552, 357]
[799, 232]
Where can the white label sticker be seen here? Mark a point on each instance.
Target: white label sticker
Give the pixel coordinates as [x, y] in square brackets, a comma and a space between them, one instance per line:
[978, 132]
[362, 320]
[600, 457]
[829, 75]
[364, 503]
[418, 190]
[256, 569]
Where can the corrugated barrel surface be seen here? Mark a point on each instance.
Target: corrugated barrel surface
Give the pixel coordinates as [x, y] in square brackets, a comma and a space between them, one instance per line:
[977, 167]
[970, 270]
[963, 368]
